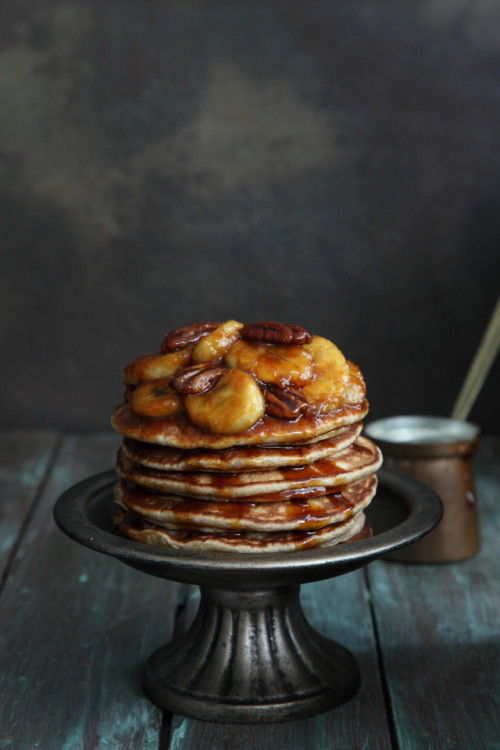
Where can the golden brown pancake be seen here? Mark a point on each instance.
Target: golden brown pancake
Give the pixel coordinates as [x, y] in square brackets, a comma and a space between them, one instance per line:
[243, 438]
[173, 511]
[204, 541]
[238, 459]
[359, 460]
[179, 432]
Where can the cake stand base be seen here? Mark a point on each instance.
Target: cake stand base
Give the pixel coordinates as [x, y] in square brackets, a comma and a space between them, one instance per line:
[250, 656]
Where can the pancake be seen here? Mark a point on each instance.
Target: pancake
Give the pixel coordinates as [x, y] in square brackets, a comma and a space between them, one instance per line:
[237, 459]
[319, 438]
[178, 432]
[359, 460]
[243, 438]
[172, 511]
[202, 541]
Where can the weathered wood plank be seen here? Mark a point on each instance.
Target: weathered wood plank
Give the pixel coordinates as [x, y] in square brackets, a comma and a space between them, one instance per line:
[438, 627]
[75, 629]
[338, 608]
[24, 458]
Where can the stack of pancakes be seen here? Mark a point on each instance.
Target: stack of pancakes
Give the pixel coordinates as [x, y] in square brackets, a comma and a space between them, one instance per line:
[243, 438]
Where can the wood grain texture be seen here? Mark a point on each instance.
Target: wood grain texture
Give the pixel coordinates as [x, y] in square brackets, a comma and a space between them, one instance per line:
[339, 609]
[76, 628]
[24, 458]
[438, 629]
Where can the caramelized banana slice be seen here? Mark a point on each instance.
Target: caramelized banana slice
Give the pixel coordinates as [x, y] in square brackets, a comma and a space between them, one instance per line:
[215, 344]
[330, 375]
[355, 391]
[156, 365]
[233, 405]
[281, 365]
[155, 399]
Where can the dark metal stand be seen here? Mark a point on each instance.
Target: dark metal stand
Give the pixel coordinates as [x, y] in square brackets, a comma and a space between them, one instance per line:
[250, 654]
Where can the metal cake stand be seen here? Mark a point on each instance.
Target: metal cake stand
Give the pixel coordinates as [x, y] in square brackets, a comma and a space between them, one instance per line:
[250, 654]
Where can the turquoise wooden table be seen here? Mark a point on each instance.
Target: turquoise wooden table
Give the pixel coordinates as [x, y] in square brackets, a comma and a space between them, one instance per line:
[76, 628]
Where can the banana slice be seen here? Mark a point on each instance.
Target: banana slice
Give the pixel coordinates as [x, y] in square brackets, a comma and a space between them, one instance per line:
[156, 365]
[215, 344]
[356, 389]
[330, 375]
[155, 399]
[233, 405]
[280, 365]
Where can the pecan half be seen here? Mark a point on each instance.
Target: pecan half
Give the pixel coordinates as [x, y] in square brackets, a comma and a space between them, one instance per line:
[197, 378]
[271, 332]
[284, 403]
[185, 335]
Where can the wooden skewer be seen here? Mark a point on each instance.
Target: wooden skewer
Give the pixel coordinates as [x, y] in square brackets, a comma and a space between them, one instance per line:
[479, 367]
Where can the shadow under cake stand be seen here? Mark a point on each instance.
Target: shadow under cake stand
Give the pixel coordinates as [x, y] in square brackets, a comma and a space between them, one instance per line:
[250, 654]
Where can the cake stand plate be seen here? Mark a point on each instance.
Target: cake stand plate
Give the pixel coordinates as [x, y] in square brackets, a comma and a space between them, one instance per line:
[250, 654]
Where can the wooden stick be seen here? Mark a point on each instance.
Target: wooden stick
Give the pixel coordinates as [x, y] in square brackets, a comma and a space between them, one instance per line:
[479, 367]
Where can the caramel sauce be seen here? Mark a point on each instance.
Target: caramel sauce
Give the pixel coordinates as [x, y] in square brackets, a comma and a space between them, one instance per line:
[365, 533]
[290, 494]
[306, 541]
[302, 493]
[309, 541]
[304, 514]
[361, 449]
[300, 539]
[310, 473]
[155, 454]
[179, 432]
[321, 468]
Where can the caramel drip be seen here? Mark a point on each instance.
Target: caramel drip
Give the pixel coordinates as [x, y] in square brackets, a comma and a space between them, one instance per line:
[300, 539]
[267, 431]
[143, 452]
[306, 515]
[328, 467]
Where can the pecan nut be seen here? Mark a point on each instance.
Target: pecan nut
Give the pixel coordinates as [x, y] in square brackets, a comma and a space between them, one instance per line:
[197, 379]
[271, 332]
[185, 335]
[284, 403]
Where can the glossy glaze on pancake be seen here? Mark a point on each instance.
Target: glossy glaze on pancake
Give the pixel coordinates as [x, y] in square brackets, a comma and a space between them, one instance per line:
[178, 432]
[173, 511]
[238, 459]
[359, 460]
[201, 541]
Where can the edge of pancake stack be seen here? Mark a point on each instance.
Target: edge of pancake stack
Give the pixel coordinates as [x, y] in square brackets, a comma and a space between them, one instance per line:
[243, 438]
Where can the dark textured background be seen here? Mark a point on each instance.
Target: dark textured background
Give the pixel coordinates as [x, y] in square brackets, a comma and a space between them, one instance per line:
[331, 163]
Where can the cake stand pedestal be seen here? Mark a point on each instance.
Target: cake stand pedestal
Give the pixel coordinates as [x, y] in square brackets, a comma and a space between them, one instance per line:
[250, 654]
